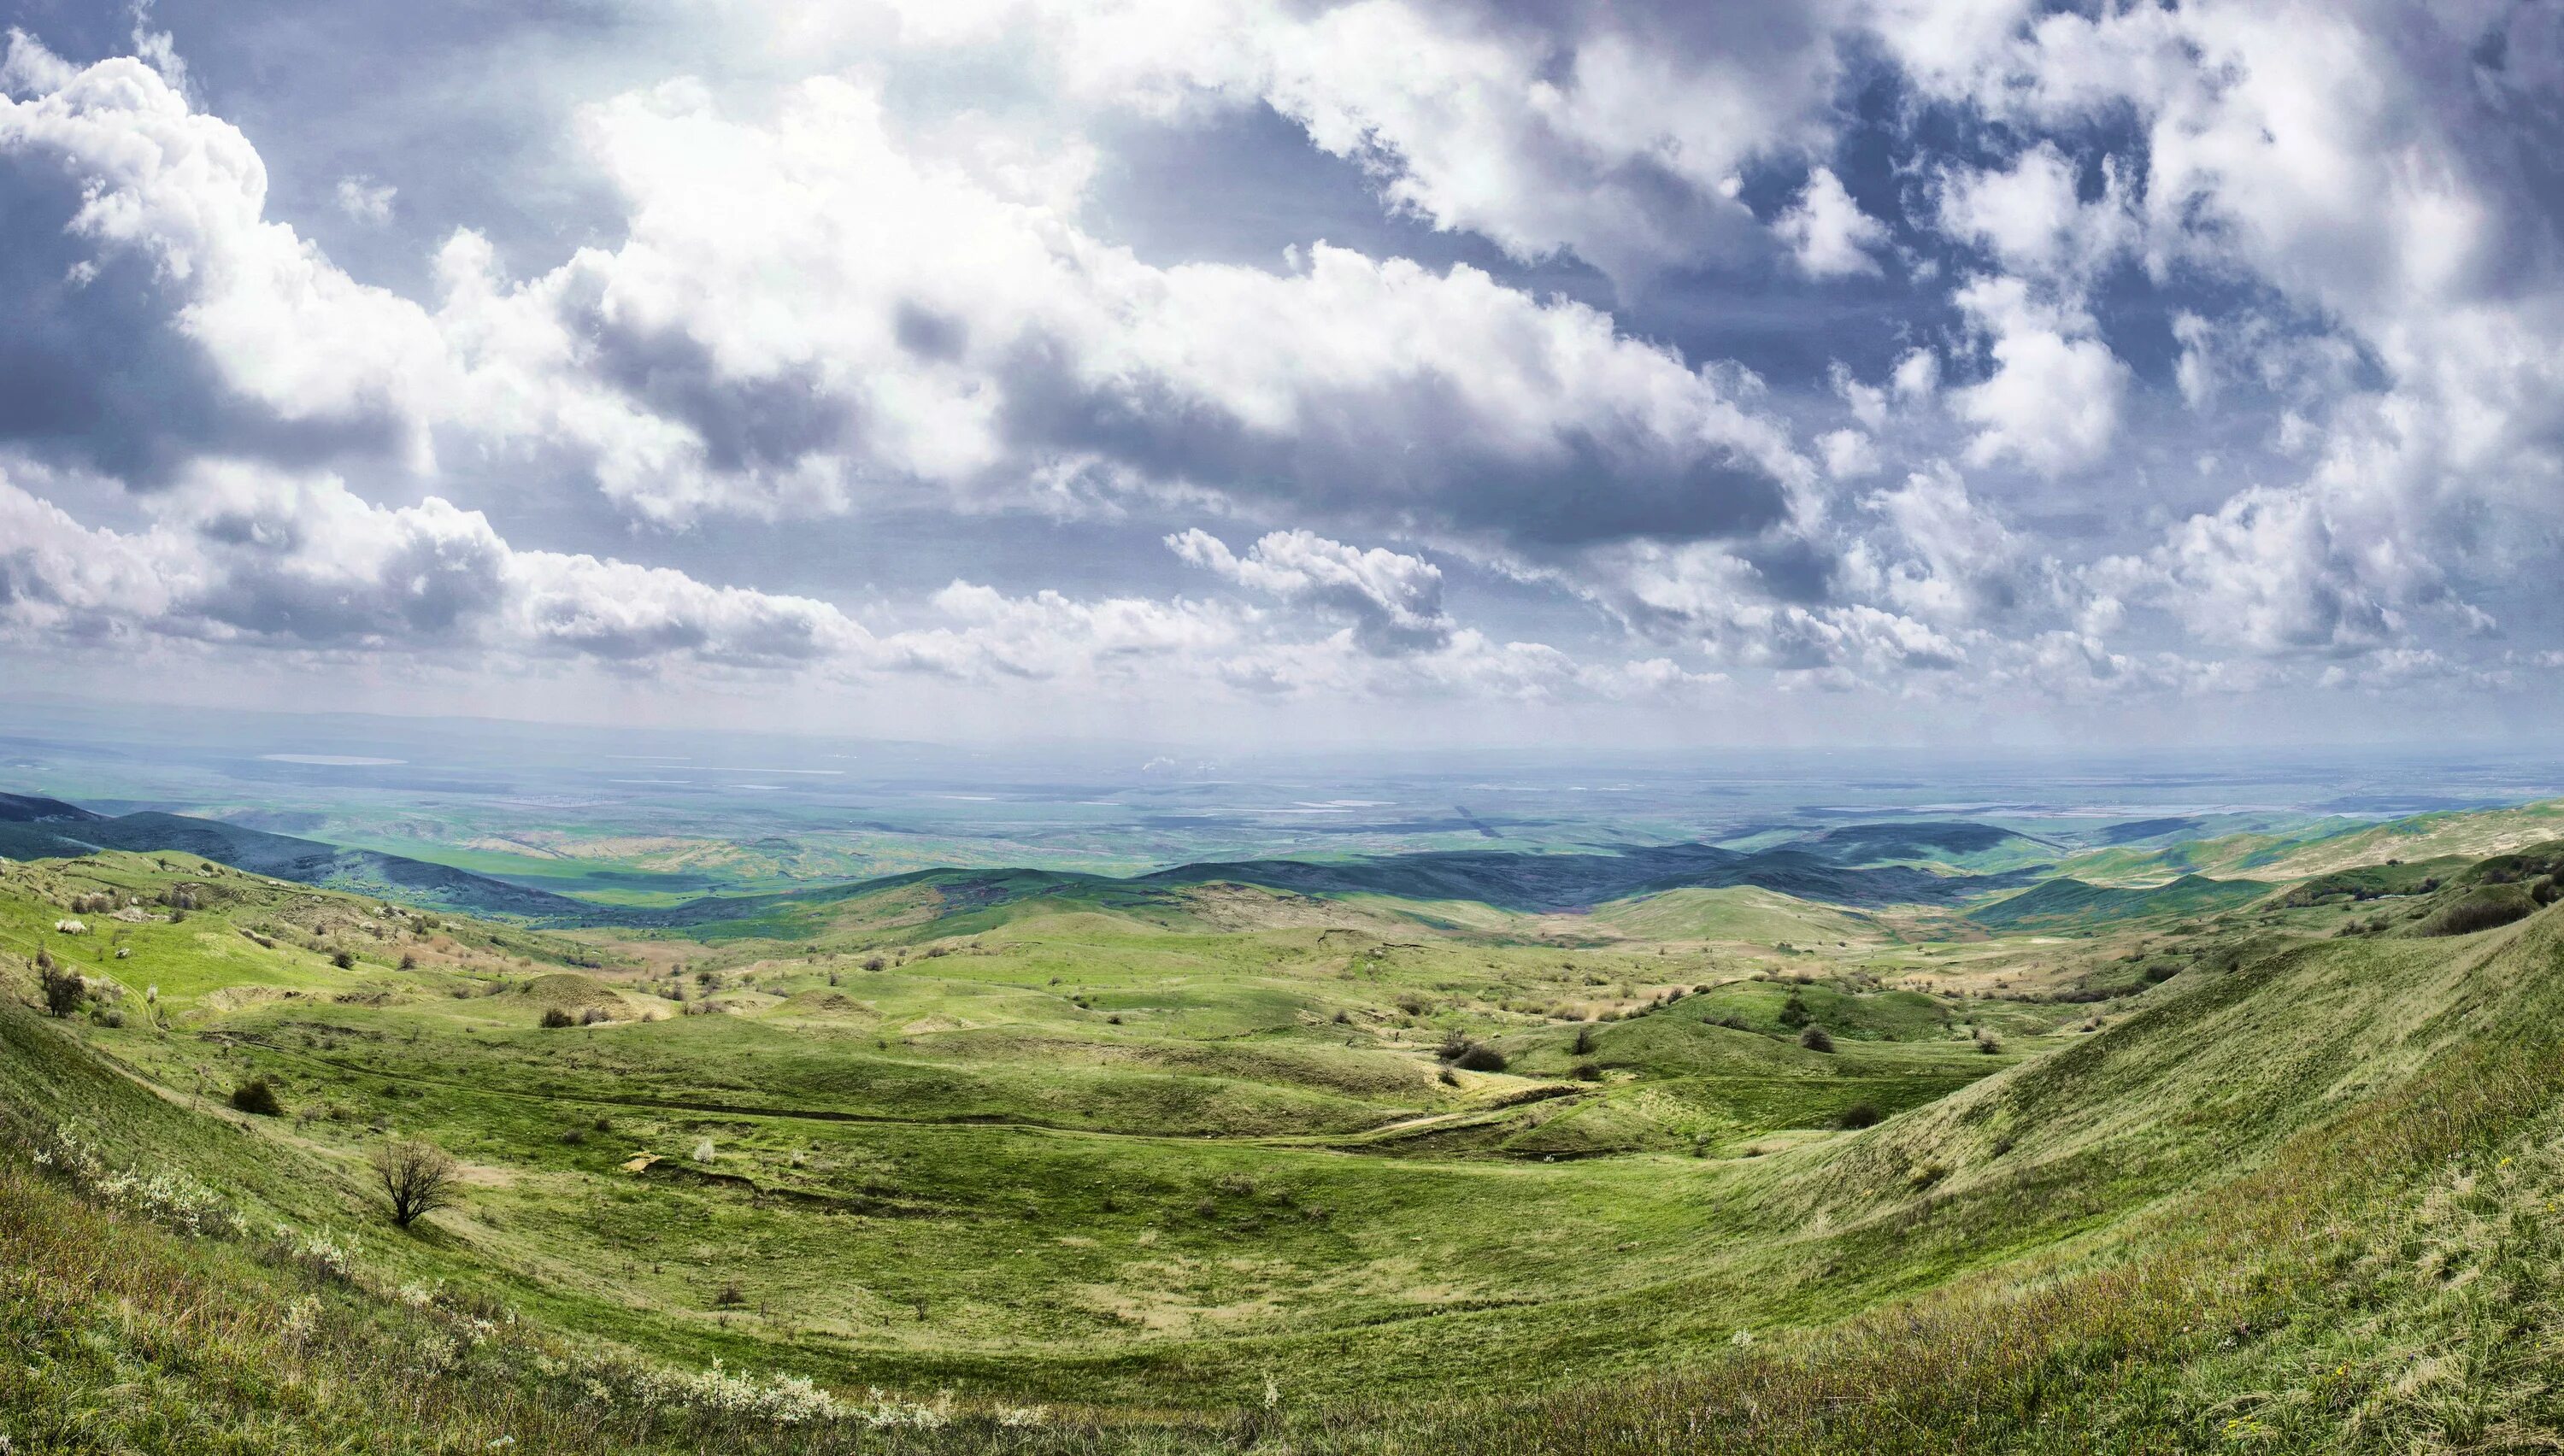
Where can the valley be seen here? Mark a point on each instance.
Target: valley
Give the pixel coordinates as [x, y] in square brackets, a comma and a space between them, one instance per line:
[1284, 1136]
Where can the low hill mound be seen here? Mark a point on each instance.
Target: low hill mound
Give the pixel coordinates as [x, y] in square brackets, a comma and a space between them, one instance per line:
[2067, 903]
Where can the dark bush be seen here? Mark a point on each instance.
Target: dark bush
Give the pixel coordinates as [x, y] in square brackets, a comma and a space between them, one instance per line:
[257, 1096]
[1816, 1040]
[1480, 1059]
[1794, 1011]
[64, 989]
[2479, 913]
[730, 1296]
[343, 959]
[1859, 1115]
[556, 1017]
[1587, 1072]
[1583, 1041]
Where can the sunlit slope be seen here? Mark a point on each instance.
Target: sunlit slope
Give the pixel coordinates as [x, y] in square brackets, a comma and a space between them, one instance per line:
[2467, 834]
[1741, 912]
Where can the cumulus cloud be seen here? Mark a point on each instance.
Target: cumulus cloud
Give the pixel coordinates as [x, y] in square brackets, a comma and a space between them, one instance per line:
[243, 555]
[987, 633]
[2031, 216]
[366, 200]
[2265, 572]
[133, 217]
[1946, 558]
[1828, 232]
[804, 314]
[1394, 600]
[2052, 401]
[2315, 237]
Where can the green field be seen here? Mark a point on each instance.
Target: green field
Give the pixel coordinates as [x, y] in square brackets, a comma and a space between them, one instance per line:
[1223, 1168]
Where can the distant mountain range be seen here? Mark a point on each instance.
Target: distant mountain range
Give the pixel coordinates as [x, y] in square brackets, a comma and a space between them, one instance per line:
[40, 828]
[1841, 866]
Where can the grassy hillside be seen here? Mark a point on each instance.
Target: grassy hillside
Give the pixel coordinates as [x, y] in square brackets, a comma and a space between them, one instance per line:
[1216, 1166]
[2070, 903]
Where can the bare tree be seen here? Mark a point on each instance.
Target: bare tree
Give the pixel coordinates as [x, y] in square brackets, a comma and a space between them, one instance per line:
[419, 1179]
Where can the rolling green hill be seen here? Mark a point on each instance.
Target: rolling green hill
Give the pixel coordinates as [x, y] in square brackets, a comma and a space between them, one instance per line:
[1032, 1163]
[2066, 903]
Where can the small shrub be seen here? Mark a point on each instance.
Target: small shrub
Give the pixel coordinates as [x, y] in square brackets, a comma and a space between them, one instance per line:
[1859, 1115]
[730, 1296]
[1480, 1059]
[343, 959]
[1794, 1011]
[1815, 1039]
[1587, 1072]
[1448, 1077]
[63, 988]
[594, 1016]
[256, 1096]
[1583, 1045]
[409, 960]
[555, 1018]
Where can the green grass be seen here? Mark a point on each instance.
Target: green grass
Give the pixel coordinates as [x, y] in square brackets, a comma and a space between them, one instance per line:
[1135, 1161]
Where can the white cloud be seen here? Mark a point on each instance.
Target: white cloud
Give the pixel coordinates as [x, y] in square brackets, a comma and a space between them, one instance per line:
[804, 314]
[366, 200]
[1848, 454]
[1828, 232]
[2053, 400]
[187, 193]
[2033, 219]
[1949, 559]
[1394, 600]
[2265, 572]
[244, 556]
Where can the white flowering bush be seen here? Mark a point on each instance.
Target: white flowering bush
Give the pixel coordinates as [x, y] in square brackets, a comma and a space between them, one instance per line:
[782, 1399]
[165, 1196]
[317, 1251]
[302, 1317]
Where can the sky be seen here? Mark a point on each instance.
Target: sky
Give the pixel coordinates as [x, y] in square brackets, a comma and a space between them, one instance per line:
[1933, 372]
